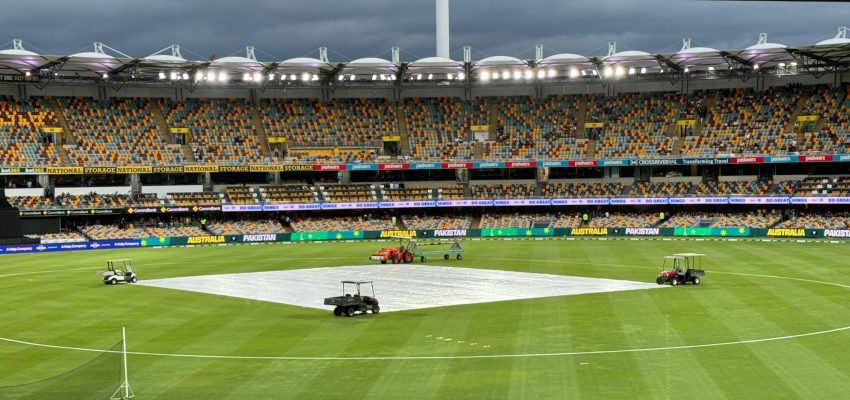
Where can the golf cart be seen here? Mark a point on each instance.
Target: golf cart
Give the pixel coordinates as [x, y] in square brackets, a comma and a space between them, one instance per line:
[352, 301]
[454, 249]
[681, 269]
[118, 271]
[395, 255]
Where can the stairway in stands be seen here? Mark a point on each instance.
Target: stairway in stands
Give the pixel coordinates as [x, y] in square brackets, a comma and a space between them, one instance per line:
[261, 131]
[165, 131]
[67, 138]
[403, 133]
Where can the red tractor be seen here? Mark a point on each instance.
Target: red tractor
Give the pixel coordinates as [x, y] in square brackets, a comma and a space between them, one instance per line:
[395, 255]
[681, 269]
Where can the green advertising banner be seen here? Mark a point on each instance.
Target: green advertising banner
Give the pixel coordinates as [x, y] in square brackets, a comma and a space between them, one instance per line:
[511, 232]
[711, 231]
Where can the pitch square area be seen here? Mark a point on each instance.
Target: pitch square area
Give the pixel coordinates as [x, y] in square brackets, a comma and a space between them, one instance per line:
[398, 287]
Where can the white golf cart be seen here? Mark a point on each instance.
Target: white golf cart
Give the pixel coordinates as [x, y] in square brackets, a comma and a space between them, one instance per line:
[118, 271]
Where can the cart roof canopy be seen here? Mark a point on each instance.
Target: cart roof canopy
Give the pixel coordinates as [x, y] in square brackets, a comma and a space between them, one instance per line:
[676, 257]
[357, 282]
[689, 254]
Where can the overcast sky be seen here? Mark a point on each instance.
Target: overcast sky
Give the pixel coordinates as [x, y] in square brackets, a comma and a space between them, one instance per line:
[367, 28]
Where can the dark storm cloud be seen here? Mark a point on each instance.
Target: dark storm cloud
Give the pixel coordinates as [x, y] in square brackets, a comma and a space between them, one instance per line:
[368, 28]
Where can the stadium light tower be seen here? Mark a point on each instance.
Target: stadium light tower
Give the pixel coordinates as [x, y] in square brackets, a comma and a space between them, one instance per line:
[443, 28]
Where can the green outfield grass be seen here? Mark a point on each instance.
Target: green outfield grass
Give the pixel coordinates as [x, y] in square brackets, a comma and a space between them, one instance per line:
[676, 343]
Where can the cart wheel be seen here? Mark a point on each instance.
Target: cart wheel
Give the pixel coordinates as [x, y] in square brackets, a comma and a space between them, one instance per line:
[460, 256]
[445, 256]
[337, 311]
[383, 261]
[659, 280]
[422, 259]
[133, 280]
[407, 258]
[696, 280]
[675, 282]
[376, 309]
[349, 312]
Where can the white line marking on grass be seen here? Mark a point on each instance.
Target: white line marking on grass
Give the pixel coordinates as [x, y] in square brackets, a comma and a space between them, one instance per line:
[468, 357]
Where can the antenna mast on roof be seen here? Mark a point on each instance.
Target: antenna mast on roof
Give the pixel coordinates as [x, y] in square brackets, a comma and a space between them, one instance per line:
[842, 33]
[538, 52]
[323, 54]
[443, 28]
[612, 48]
[686, 43]
[467, 54]
[395, 53]
[17, 44]
[762, 38]
[249, 53]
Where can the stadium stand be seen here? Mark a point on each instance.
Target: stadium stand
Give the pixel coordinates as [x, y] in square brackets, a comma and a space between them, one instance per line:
[339, 123]
[822, 186]
[437, 221]
[22, 140]
[659, 189]
[107, 232]
[515, 220]
[289, 194]
[636, 125]
[734, 188]
[745, 121]
[622, 220]
[572, 190]
[348, 193]
[503, 191]
[358, 223]
[832, 107]
[450, 193]
[221, 131]
[537, 129]
[64, 237]
[93, 200]
[406, 193]
[245, 227]
[241, 195]
[118, 131]
[440, 128]
[195, 199]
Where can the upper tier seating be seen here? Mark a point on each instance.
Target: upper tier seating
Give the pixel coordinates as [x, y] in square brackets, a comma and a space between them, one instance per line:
[440, 128]
[118, 131]
[338, 123]
[745, 121]
[22, 140]
[221, 131]
[635, 125]
[537, 129]
[832, 105]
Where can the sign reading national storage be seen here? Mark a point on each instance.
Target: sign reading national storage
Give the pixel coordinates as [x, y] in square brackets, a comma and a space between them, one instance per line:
[402, 166]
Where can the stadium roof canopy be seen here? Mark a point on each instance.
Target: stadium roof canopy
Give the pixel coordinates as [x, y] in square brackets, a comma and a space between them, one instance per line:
[103, 62]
